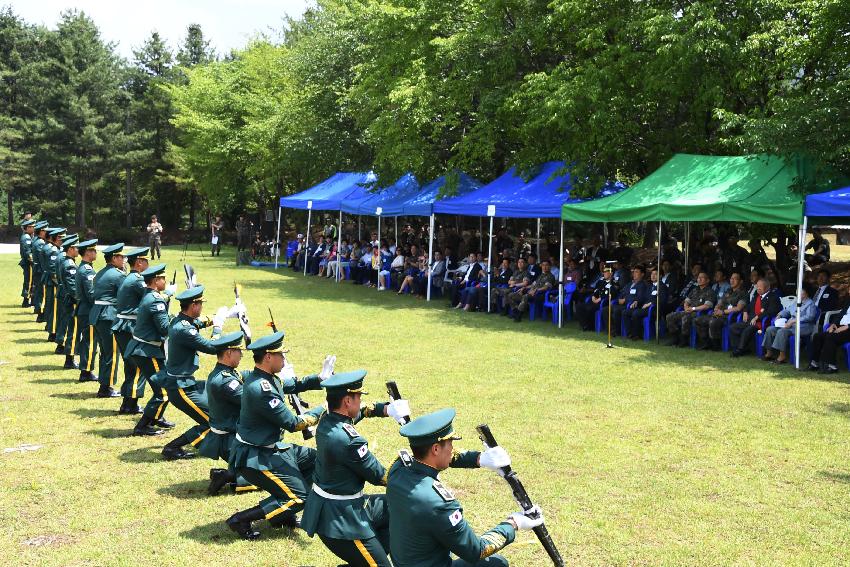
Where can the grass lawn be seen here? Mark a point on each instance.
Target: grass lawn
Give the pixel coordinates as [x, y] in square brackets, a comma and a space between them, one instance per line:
[638, 455]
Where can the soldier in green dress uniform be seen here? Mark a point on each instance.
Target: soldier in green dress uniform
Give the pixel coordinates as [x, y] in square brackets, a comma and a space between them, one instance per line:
[62, 312]
[354, 526]
[37, 287]
[50, 253]
[103, 314]
[259, 454]
[129, 296]
[146, 347]
[178, 378]
[426, 520]
[224, 400]
[27, 232]
[84, 293]
[67, 288]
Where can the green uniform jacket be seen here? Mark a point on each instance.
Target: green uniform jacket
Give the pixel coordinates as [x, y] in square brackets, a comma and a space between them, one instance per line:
[68, 280]
[56, 267]
[151, 326]
[35, 252]
[262, 414]
[44, 260]
[129, 296]
[26, 249]
[84, 288]
[427, 523]
[51, 254]
[184, 343]
[704, 296]
[344, 464]
[106, 284]
[224, 399]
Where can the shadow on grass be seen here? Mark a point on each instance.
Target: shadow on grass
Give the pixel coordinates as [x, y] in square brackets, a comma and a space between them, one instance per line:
[836, 476]
[71, 379]
[142, 454]
[217, 532]
[189, 490]
[840, 407]
[112, 432]
[94, 412]
[74, 395]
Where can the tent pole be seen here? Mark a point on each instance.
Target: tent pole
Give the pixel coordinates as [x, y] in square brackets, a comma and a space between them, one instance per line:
[277, 238]
[561, 281]
[396, 231]
[800, 259]
[489, 262]
[658, 289]
[538, 241]
[430, 256]
[481, 233]
[605, 235]
[307, 234]
[338, 246]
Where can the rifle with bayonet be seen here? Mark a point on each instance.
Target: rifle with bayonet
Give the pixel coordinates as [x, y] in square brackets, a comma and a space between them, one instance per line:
[523, 499]
[298, 405]
[243, 316]
[392, 391]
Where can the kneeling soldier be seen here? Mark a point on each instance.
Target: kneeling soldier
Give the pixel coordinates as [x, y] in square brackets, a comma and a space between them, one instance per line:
[354, 526]
[426, 521]
[284, 470]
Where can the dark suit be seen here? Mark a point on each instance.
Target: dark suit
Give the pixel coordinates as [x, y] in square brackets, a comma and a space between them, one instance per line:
[741, 333]
[501, 277]
[634, 317]
[633, 292]
[826, 300]
[458, 283]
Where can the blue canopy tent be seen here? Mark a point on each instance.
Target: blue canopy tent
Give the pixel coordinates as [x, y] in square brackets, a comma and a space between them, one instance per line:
[326, 196]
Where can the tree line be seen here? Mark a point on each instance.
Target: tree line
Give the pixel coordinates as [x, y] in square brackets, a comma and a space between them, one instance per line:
[613, 87]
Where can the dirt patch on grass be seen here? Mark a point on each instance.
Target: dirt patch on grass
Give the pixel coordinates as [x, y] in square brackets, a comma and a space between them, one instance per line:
[47, 540]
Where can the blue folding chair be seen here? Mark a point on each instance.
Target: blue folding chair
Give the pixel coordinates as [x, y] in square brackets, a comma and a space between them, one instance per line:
[724, 334]
[765, 323]
[649, 325]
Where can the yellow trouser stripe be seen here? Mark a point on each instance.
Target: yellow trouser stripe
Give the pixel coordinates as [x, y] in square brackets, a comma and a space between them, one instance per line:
[200, 438]
[114, 367]
[74, 336]
[91, 349]
[247, 488]
[283, 487]
[365, 553]
[136, 377]
[53, 321]
[192, 405]
[280, 510]
[155, 365]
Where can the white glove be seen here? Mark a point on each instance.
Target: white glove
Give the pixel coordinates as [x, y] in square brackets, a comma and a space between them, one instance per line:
[220, 317]
[523, 522]
[494, 459]
[288, 371]
[236, 311]
[398, 410]
[327, 367]
[171, 289]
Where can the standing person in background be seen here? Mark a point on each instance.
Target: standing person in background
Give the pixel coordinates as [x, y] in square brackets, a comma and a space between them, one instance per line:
[155, 238]
[244, 230]
[215, 241]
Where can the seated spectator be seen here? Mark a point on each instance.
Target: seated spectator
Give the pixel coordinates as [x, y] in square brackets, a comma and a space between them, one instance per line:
[396, 266]
[826, 296]
[516, 281]
[776, 337]
[533, 267]
[710, 326]
[355, 263]
[328, 256]
[720, 286]
[701, 298]
[764, 307]
[586, 311]
[376, 264]
[499, 280]
[556, 271]
[466, 273]
[690, 284]
[413, 273]
[670, 279]
[315, 255]
[631, 296]
[621, 274]
[755, 275]
[634, 317]
[572, 273]
[819, 247]
[470, 294]
[535, 292]
[586, 286]
[825, 345]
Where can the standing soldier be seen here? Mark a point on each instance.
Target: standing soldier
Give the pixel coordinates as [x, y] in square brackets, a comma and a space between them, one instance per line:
[215, 241]
[103, 315]
[426, 521]
[155, 238]
[84, 293]
[184, 392]
[50, 252]
[354, 526]
[67, 287]
[284, 470]
[28, 228]
[62, 322]
[37, 287]
[129, 295]
[146, 350]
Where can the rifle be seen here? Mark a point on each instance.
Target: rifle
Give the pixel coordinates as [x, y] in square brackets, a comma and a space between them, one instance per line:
[298, 405]
[191, 280]
[522, 498]
[392, 390]
[168, 301]
[243, 317]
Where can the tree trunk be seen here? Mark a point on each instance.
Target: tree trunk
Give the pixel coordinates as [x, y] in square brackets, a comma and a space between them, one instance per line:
[129, 212]
[80, 208]
[9, 211]
[650, 233]
[192, 205]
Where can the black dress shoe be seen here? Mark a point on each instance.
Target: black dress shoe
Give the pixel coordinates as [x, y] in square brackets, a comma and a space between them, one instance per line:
[108, 393]
[40, 318]
[176, 453]
[219, 478]
[146, 430]
[87, 376]
[25, 303]
[51, 338]
[70, 364]
[130, 410]
[285, 521]
[736, 353]
[163, 423]
[60, 349]
[242, 527]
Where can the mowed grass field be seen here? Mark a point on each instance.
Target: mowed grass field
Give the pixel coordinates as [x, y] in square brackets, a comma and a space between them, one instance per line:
[639, 455]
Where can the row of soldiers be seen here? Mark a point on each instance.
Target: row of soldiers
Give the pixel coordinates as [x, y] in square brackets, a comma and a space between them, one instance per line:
[240, 416]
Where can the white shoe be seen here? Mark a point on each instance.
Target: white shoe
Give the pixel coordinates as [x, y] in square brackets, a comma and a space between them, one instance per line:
[381, 288]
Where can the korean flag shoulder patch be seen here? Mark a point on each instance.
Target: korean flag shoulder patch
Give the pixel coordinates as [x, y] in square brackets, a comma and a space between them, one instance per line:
[193, 331]
[274, 402]
[185, 322]
[455, 517]
[266, 385]
[160, 307]
[444, 493]
[233, 385]
[350, 430]
[363, 450]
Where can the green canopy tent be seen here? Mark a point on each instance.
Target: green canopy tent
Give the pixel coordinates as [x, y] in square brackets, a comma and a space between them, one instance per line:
[693, 188]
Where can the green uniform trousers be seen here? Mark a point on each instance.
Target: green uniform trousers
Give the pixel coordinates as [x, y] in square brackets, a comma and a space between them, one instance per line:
[492, 561]
[37, 292]
[287, 484]
[193, 403]
[72, 335]
[155, 408]
[133, 385]
[50, 309]
[26, 289]
[108, 374]
[87, 342]
[62, 319]
[366, 552]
